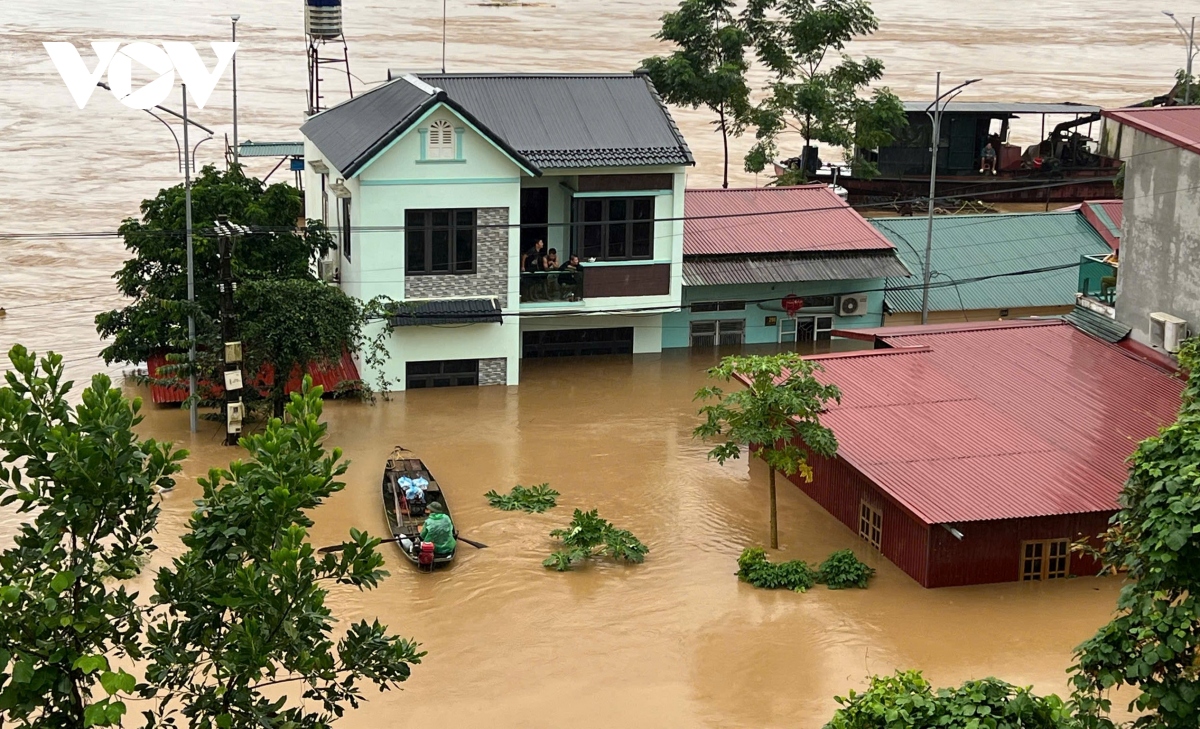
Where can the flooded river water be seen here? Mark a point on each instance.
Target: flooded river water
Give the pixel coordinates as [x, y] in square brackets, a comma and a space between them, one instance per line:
[674, 642]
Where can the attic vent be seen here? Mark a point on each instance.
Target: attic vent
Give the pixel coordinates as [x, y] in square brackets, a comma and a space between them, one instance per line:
[441, 140]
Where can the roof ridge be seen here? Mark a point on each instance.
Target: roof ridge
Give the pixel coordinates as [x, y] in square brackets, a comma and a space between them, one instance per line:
[916, 349]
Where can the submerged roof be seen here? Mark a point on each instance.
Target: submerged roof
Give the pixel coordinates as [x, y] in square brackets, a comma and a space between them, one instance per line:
[849, 266]
[1005, 107]
[999, 420]
[271, 149]
[1179, 125]
[543, 121]
[995, 246]
[805, 218]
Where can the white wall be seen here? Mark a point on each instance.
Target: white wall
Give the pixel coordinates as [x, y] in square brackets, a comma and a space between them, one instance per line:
[647, 328]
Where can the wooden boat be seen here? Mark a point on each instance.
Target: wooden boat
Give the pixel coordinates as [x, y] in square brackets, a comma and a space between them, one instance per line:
[406, 525]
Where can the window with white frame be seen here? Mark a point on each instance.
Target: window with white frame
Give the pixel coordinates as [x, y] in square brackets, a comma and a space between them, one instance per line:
[441, 140]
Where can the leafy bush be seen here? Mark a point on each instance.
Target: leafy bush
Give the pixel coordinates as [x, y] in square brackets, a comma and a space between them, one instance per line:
[533, 500]
[590, 536]
[755, 568]
[843, 569]
[907, 700]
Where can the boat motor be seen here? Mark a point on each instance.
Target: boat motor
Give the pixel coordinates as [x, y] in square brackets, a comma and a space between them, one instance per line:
[425, 558]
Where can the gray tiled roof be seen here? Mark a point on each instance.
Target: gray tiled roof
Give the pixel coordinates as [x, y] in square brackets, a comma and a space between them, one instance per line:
[543, 120]
[572, 120]
[447, 311]
[725, 270]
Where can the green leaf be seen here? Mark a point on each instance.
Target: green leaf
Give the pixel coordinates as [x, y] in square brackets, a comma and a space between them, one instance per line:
[114, 683]
[91, 664]
[10, 594]
[62, 581]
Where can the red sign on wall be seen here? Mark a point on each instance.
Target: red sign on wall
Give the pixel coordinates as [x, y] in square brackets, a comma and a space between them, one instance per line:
[792, 304]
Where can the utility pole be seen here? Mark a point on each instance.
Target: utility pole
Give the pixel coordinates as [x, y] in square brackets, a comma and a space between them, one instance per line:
[227, 234]
[193, 411]
[235, 18]
[935, 117]
[1190, 37]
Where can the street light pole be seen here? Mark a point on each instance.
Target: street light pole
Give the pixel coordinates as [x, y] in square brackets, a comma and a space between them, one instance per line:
[935, 117]
[1190, 37]
[193, 411]
[233, 28]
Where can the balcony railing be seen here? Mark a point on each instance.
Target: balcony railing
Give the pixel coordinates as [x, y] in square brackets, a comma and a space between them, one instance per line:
[1098, 278]
[547, 286]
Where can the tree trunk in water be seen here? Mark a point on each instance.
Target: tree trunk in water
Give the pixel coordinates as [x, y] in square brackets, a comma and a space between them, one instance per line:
[725, 144]
[774, 516]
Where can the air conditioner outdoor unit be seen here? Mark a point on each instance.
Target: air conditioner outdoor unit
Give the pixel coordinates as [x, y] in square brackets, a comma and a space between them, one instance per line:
[326, 269]
[855, 305]
[1167, 331]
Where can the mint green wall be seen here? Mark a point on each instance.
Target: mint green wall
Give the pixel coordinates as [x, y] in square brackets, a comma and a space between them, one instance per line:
[398, 180]
[676, 325]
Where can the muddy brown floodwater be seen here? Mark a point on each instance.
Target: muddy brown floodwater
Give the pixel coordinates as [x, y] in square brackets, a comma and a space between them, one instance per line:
[674, 642]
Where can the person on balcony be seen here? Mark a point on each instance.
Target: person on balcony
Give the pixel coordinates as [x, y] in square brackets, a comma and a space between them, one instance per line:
[569, 281]
[550, 262]
[531, 259]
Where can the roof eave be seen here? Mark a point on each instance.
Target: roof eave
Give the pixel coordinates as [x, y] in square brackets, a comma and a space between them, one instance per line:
[441, 97]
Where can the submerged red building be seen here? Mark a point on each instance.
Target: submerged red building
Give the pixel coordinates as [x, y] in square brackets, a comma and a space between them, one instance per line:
[977, 453]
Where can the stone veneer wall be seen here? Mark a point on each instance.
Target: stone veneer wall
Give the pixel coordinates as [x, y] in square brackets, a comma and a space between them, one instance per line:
[493, 371]
[491, 266]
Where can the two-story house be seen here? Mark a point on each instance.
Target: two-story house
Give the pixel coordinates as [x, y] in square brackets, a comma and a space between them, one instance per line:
[438, 184]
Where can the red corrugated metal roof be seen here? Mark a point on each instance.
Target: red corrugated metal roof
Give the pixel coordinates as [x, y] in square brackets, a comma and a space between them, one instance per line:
[996, 422]
[802, 219]
[327, 376]
[1106, 217]
[1179, 125]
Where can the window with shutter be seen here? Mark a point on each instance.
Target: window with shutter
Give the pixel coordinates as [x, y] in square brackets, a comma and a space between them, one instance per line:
[441, 140]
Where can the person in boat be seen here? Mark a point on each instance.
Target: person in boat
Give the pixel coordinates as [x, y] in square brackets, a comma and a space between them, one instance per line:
[438, 529]
[989, 159]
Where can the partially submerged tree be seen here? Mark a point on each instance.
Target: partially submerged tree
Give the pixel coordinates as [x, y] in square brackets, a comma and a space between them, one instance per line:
[288, 324]
[708, 67]
[589, 536]
[777, 414]
[156, 276]
[810, 95]
[89, 482]
[1153, 643]
[245, 637]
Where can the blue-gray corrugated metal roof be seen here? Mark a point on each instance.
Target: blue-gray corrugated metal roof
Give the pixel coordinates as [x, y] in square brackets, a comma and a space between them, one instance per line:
[970, 246]
[271, 149]
[542, 120]
[713, 271]
[447, 311]
[1098, 325]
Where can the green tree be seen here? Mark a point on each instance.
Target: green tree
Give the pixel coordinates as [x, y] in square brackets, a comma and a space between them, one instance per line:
[777, 413]
[907, 701]
[1153, 642]
[156, 276]
[288, 324]
[245, 638]
[90, 483]
[820, 101]
[708, 67]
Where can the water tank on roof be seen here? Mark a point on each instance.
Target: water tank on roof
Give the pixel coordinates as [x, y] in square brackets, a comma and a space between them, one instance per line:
[323, 18]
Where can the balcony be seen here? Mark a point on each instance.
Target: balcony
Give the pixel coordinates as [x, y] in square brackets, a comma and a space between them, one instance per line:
[1098, 283]
[552, 286]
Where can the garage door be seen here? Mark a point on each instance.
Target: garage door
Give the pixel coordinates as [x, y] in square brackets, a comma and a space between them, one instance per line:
[577, 342]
